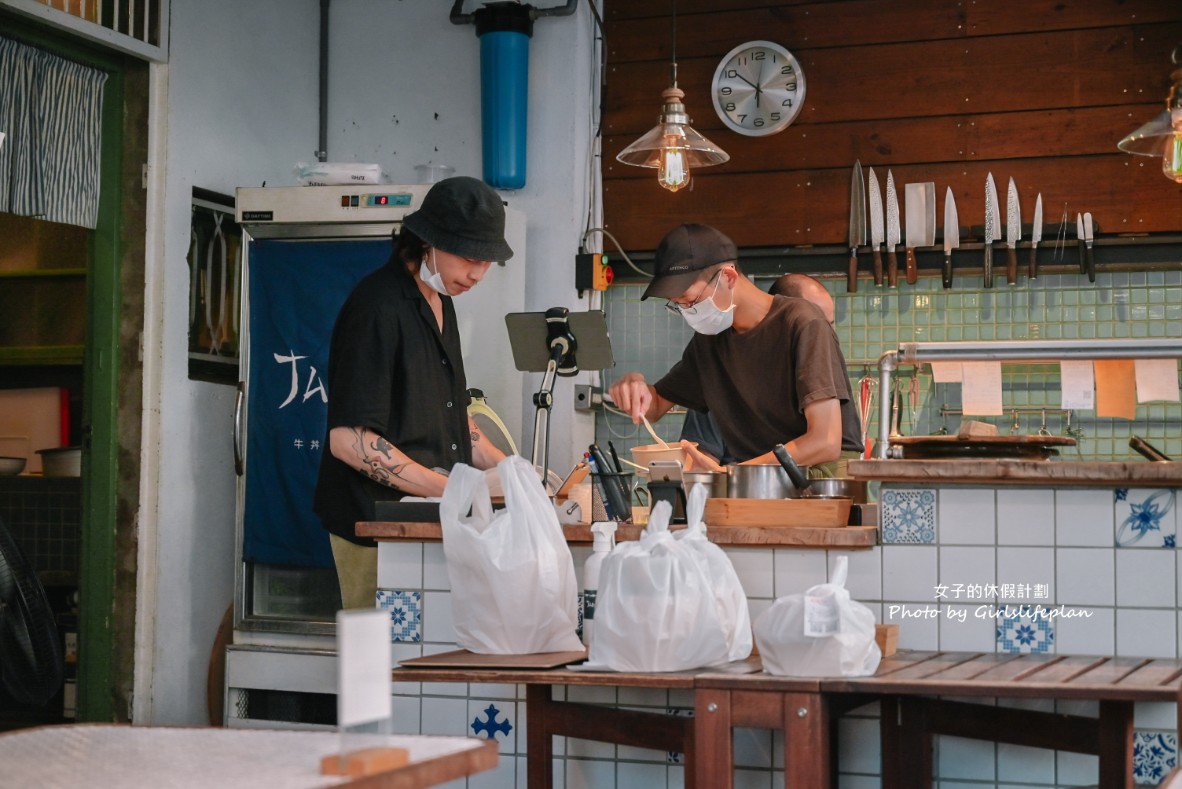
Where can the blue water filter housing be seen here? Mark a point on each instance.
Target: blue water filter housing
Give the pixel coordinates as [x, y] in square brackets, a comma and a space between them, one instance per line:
[504, 30]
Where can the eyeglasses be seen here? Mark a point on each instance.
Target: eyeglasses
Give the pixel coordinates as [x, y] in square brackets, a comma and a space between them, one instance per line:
[691, 308]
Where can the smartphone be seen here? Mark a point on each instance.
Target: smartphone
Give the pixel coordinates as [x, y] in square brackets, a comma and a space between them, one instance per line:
[576, 475]
[665, 470]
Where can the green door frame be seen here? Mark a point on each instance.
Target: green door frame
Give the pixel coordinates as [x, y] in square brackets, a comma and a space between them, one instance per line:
[96, 677]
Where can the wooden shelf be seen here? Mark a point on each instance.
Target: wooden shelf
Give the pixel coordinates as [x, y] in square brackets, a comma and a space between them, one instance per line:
[845, 537]
[41, 354]
[1041, 473]
[44, 273]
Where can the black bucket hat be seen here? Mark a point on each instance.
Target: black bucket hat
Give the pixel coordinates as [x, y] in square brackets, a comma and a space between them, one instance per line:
[683, 255]
[463, 216]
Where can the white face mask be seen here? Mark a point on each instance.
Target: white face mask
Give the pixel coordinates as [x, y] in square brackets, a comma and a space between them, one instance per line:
[433, 279]
[706, 317]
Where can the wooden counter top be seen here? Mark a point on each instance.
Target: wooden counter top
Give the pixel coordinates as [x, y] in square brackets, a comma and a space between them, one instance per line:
[1042, 473]
[844, 537]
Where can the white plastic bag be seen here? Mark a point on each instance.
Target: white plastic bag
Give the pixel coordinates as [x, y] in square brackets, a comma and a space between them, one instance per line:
[729, 596]
[655, 610]
[513, 586]
[821, 633]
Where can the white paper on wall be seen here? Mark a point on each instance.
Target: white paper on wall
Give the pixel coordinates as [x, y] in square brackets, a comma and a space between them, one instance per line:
[946, 372]
[1157, 379]
[1077, 384]
[363, 667]
[980, 391]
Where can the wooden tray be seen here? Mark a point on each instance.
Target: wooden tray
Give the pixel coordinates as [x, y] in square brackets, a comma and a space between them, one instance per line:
[1013, 447]
[462, 658]
[770, 513]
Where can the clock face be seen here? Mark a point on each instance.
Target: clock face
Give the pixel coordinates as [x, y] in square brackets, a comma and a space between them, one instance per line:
[758, 88]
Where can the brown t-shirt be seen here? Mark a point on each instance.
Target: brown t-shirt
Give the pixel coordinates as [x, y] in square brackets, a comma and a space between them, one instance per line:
[756, 384]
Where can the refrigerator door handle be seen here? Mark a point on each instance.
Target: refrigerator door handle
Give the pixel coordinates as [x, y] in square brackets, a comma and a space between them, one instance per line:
[239, 399]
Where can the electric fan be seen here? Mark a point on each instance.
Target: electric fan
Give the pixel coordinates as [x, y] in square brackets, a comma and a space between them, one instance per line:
[31, 664]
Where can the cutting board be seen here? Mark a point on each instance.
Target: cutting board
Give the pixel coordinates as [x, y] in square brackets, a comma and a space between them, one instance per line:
[1013, 447]
[771, 513]
[30, 419]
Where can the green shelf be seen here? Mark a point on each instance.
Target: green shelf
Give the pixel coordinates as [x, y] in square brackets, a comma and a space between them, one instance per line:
[41, 354]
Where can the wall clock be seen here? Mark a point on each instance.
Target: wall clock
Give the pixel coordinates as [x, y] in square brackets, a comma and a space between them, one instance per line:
[758, 88]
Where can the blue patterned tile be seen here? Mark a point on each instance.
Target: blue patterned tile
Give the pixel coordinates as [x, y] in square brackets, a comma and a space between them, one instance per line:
[1145, 518]
[1024, 629]
[406, 613]
[1155, 753]
[490, 727]
[673, 757]
[908, 516]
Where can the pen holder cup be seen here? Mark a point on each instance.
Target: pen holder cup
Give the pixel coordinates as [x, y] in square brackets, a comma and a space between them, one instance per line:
[599, 485]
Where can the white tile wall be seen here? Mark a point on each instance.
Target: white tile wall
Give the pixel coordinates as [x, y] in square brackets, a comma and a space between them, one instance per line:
[864, 580]
[1085, 576]
[437, 619]
[965, 759]
[860, 745]
[589, 774]
[401, 566]
[756, 570]
[967, 516]
[963, 628]
[797, 570]
[1026, 566]
[445, 716]
[1094, 634]
[1145, 578]
[1084, 516]
[1028, 765]
[1146, 632]
[962, 570]
[435, 567]
[915, 632]
[1026, 517]
[909, 573]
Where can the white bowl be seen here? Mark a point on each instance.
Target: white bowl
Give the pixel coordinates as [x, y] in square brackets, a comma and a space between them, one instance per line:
[10, 467]
[61, 462]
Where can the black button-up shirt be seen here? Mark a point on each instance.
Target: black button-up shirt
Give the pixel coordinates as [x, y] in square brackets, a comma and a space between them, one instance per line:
[392, 371]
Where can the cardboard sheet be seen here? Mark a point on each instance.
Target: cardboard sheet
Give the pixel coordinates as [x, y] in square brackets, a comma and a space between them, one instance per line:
[980, 391]
[1077, 385]
[1157, 379]
[363, 667]
[462, 658]
[1116, 388]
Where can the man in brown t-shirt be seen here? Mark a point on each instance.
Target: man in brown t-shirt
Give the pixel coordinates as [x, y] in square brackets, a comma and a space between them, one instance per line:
[768, 368]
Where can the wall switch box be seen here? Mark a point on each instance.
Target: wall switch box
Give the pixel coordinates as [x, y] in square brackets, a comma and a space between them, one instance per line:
[592, 271]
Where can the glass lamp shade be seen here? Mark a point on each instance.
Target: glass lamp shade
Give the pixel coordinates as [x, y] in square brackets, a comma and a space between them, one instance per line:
[1162, 136]
[672, 146]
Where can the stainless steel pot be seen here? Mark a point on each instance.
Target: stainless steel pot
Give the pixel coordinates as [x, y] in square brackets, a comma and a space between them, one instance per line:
[759, 481]
[839, 487]
[715, 482]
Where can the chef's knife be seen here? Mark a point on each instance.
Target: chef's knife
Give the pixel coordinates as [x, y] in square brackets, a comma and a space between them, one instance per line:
[1087, 223]
[876, 226]
[857, 224]
[1013, 232]
[920, 205]
[951, 236]
[1035, 237]
[1079, 242]
[992, 227]
[892, 230]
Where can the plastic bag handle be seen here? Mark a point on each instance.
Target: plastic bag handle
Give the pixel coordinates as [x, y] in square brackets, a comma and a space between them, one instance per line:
[841, 569]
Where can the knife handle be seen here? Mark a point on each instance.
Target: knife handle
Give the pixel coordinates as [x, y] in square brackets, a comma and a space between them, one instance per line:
[1083, 258]
[912, 273]
[892, 267]
[1091, 263]
[946, 271]
[878, 267]
[1011, 265]
[851, 283]
[988, 264]
[1032, 266]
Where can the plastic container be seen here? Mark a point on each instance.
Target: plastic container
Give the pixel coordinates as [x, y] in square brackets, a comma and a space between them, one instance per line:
[604, 541]
[62, 462]
[504, 30]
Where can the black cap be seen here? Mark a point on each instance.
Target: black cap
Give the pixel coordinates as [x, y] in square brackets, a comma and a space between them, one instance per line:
[463, 216]
[683, 255]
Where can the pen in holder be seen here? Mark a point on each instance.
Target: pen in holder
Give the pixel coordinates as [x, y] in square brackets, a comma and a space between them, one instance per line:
[611, 496]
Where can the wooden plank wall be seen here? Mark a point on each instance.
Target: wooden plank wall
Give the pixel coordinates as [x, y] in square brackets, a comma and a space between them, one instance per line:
[936, 90]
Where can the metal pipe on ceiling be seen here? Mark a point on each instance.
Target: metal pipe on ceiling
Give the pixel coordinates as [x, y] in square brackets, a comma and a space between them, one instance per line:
[322, 143]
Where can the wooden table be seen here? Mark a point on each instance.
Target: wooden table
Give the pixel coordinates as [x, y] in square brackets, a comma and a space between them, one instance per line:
[547, 718]
[907, 682]
[82, 755]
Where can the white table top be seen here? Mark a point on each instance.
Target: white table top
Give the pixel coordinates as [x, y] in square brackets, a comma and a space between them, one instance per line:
[81, 755]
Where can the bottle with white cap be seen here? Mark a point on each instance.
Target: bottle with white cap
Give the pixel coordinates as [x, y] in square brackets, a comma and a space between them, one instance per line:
[604, 539]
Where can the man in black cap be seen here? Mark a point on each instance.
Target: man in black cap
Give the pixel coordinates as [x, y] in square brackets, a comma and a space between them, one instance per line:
[768, 368]
[397, 395]
[701, 428]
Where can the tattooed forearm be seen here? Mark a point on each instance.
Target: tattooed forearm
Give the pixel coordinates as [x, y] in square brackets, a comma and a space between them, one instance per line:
[372, 465]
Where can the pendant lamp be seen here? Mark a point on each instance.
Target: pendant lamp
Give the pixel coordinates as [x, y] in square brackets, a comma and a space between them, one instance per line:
[672, 146]
[1162, 136]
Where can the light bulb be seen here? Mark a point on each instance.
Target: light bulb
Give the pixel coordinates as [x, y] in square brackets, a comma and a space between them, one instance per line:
[1171, 160]
[673, 170]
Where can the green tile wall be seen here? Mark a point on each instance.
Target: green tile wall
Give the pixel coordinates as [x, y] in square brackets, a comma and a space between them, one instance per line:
[646, 337]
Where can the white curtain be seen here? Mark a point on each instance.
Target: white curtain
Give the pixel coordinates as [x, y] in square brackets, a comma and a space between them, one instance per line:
[51, 112]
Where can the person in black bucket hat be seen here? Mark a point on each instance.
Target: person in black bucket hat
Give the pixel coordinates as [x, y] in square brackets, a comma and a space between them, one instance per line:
[768, 368]
[397, 395]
